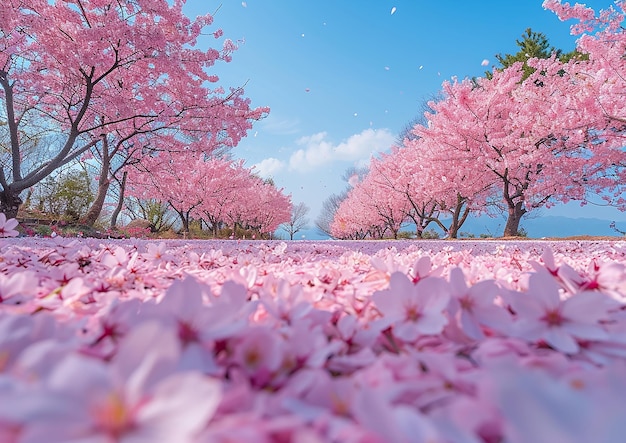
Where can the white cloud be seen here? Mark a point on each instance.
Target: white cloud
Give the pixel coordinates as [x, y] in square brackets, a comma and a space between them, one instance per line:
[268, 167]
[358, 149]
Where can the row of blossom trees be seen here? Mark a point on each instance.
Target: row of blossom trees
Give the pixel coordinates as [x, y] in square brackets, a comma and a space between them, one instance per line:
[520, 139]
[221, 193]
[110, 79]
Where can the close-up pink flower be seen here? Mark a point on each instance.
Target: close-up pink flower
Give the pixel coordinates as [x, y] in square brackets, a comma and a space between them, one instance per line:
[138, 396]
[543, 313]
[7, 226]
[476, 307]
[413, 309]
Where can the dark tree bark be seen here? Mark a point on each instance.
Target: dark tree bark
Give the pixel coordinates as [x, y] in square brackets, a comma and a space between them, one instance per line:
[516, 211]
[10, 202]
[120, 201]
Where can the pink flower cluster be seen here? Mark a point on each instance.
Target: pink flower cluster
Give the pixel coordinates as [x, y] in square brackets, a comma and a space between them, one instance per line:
[304, 342]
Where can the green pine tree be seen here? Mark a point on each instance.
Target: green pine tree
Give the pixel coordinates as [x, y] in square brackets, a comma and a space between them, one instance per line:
[533, 45]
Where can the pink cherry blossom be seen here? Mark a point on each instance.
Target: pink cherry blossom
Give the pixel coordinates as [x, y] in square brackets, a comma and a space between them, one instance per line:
[310, 342]
[259, 353]
[475, 307]
[7, 226]
[543, 314]
[413, 309]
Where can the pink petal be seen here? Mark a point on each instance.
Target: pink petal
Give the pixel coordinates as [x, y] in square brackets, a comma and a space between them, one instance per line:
[561, 340]
[146, 355]
[586, 307]
[432, 324]
[182, 404]
[435, 294]
[544, 288]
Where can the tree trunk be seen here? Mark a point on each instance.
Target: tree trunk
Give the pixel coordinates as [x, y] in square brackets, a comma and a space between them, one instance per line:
[515, 216]
[10, 202]
[95, 209]
[90, 218]
[453, 230]
[458, 216]
[184, 219]
[120, 201]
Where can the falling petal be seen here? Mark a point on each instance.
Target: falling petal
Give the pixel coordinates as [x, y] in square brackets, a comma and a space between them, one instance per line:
[355, 114]
[393, 10]
[386, 68]
[244, 4]
[485, 62]
[421, 66]
[302, 35]
[256, 133]
[307, 90]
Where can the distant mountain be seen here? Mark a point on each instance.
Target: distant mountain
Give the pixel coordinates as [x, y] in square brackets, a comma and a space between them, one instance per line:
[556, 226]
[545, 226]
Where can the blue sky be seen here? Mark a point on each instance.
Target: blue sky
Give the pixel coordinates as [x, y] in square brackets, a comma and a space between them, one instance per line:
[343, 78]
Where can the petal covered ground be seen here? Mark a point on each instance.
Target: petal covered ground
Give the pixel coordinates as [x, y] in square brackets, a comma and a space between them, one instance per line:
[217, 341]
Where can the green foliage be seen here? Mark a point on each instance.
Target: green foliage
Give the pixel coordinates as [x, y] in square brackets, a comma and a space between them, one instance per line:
[533, 45]
[155, 212]
[430, 234]
[466, 235]
[42, 230]
[65, 196]
[196, 231]
[403, 235]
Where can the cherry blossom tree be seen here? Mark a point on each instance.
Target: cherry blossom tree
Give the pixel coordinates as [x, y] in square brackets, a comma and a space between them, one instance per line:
[182, 181]
[260, 206]
[94, 75]
[432, 189]
[602, 82]
[369, 210]
[522, 136]
[352, 219]
[161, 178]
[223, 189]
[218, 191]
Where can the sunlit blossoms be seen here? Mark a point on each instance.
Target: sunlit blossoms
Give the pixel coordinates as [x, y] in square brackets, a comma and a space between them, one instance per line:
[473, 341]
